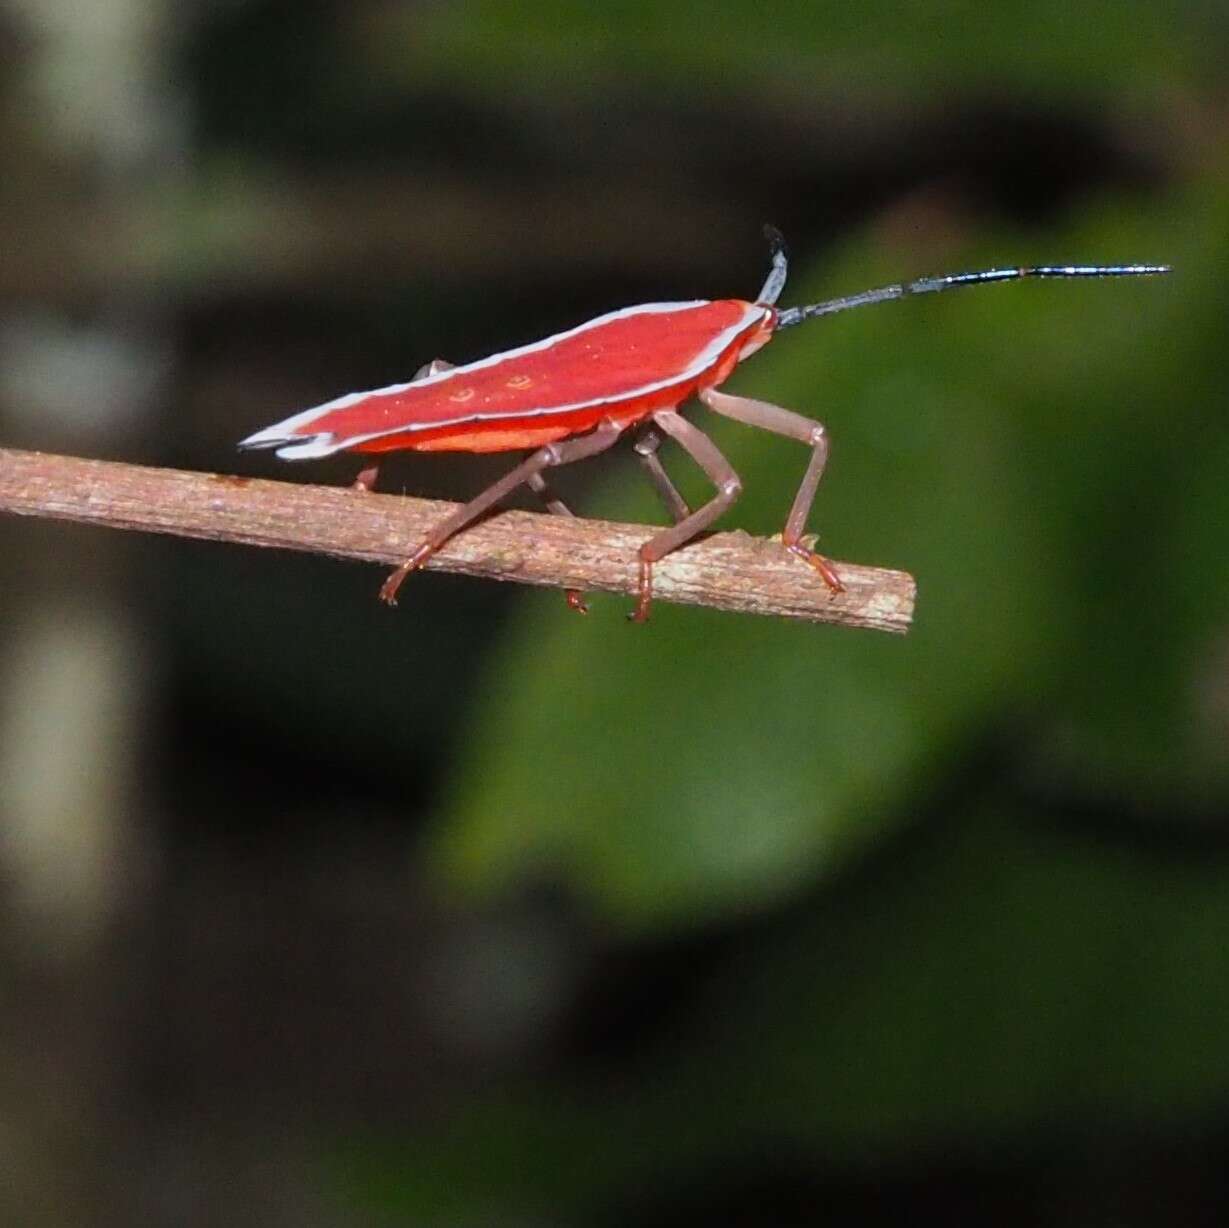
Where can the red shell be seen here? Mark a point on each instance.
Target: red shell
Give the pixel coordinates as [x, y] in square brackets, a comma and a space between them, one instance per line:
[620, 366]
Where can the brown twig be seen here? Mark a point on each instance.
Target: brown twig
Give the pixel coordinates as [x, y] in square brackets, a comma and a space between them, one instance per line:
[728, 571]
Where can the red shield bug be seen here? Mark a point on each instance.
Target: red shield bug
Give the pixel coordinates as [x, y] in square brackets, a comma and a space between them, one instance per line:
[574, 394]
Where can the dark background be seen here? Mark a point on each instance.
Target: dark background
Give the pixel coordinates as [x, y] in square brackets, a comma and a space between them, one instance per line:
[477, 912]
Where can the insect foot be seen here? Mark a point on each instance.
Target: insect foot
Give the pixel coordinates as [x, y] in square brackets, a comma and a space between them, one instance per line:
[821, 565]
[388, 590]
[645, 598]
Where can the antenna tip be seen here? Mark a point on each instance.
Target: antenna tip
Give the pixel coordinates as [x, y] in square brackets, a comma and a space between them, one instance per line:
[776, 240]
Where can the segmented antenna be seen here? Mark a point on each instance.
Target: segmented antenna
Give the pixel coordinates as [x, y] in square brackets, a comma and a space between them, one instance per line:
[933, 285]
[780, 267]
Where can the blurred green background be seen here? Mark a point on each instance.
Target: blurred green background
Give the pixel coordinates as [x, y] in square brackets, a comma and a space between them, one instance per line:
[477, 912]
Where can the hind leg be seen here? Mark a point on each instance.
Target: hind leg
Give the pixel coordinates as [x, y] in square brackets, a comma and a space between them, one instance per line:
[366, 479]
[561, 453]
[537, 483]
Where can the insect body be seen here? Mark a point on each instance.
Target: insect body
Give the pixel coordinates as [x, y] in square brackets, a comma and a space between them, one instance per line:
[575, 394]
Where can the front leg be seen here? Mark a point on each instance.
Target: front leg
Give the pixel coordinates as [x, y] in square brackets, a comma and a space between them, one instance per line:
[785, 422]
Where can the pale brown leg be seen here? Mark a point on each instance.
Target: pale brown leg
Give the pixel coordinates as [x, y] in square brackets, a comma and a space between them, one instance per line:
[785, 422]
[646, 449]
[562, 453]
[366, 479]
[704, 452]
[537, 483]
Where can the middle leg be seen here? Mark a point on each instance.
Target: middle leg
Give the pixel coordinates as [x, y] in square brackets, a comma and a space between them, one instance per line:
[645, 448]
[705, 453]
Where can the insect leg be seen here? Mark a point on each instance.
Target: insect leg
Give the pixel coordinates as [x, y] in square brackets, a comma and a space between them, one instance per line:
[646, 448]
[557, 507]
[366, 479]
[704, 452]
[561, 453]
[793, 426]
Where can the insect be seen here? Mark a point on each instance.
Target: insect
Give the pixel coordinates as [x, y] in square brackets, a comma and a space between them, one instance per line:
[575, 394]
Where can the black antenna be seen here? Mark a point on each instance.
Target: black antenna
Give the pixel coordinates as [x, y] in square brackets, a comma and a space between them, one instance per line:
[932, 285]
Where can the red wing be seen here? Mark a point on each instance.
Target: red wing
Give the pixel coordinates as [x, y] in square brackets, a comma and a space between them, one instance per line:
[620, 361]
